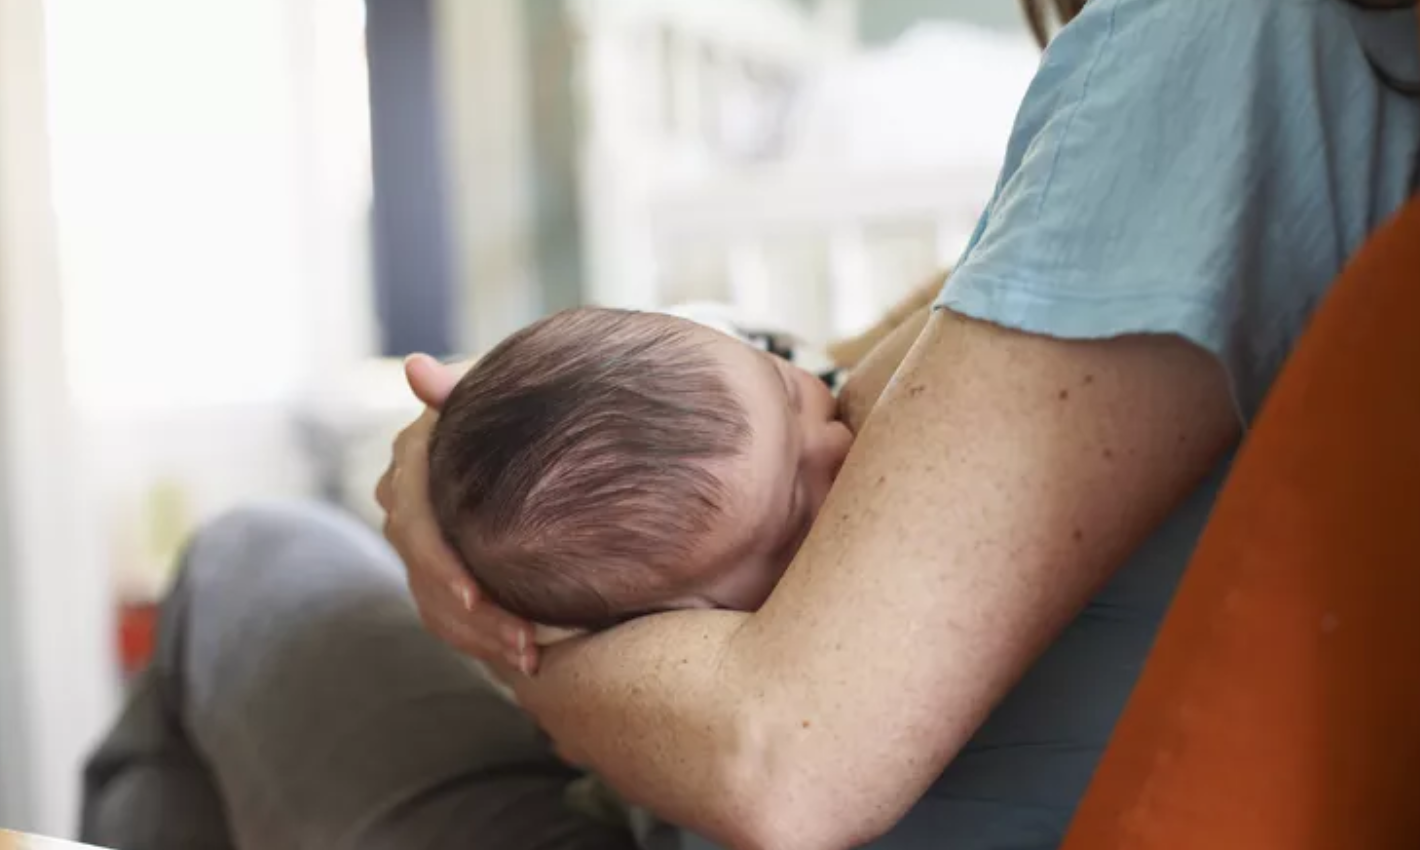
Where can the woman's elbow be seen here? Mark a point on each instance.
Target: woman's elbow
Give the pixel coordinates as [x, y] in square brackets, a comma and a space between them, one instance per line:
[781, 798]
[800, 819]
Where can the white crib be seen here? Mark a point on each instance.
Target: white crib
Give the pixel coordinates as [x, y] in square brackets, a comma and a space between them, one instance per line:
[705, 179]
[709, 174]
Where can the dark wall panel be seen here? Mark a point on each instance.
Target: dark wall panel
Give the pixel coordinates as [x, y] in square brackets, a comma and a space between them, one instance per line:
[413, 262]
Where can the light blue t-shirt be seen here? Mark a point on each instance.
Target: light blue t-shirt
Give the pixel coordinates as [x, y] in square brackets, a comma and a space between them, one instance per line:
[1193, 167]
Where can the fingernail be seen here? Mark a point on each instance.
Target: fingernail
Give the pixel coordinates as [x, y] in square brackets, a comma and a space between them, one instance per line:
[522, 642]
[525, 664]
[465, 596]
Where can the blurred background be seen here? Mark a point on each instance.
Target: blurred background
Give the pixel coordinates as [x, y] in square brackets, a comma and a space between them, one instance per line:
[223, 221]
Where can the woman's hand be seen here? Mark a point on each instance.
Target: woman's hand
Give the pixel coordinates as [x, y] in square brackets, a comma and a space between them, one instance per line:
[449, 601]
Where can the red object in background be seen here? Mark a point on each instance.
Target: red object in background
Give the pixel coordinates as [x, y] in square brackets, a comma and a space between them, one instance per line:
[137, 635]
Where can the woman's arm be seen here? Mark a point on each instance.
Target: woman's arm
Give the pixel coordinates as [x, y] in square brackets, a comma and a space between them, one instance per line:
[874, 355]
[870, 377]
[1000, 481]
[850, 353]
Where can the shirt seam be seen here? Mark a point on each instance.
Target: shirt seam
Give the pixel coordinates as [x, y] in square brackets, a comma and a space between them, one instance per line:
[1075, 110]
[967, 279]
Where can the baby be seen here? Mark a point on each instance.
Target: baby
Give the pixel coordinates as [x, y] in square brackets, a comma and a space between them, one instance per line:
[602, 464]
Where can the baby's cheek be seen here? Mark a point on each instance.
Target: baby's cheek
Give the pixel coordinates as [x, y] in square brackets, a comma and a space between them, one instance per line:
[758, 582]
[771, 576]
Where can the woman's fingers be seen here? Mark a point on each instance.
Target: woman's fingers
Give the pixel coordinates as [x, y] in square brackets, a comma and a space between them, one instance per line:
[447, 596]
[431, 380]
[411, 525]
[486, 631]
[384, 495]
[448, 599]
[401, 455]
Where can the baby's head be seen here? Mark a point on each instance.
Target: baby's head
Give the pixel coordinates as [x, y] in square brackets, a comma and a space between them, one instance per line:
[604, 464]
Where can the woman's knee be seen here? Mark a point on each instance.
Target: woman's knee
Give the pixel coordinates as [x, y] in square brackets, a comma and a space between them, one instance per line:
[272, 587]
[264, 526]
[285, 542]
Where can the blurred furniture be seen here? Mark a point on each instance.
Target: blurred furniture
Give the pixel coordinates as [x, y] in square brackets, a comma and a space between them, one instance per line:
[347, 431]
[711, 172]
[16, 841]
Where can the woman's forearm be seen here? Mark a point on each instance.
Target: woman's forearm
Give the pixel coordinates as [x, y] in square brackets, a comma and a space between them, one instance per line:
[851, 353]
[686, 718]
[867, 381]
[653, 708]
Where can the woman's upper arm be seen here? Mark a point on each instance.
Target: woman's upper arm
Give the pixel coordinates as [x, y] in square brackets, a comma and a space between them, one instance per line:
[996, 486]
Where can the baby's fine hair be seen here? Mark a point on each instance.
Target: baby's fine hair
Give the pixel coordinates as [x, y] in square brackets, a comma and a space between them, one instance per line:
[570, 467]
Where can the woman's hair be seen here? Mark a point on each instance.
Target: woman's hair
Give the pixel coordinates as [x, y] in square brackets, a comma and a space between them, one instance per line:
[1039, 14]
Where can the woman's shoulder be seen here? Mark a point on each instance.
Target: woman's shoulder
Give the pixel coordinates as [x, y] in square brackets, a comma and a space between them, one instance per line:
[1194, 36]
[1251, 78]
[1195, 167]
[1201, 16]
[1201, 39]
[1195, 108]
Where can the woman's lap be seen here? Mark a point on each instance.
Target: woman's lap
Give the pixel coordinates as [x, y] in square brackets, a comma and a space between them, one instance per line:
[293, 665]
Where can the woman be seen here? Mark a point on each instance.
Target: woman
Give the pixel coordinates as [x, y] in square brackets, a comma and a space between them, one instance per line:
[295, 700]
[947, 655]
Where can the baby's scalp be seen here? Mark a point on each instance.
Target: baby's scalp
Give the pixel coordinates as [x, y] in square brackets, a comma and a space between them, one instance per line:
[573, 468]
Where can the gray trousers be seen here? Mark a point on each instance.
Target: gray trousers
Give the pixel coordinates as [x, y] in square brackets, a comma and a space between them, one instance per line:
[296, 703]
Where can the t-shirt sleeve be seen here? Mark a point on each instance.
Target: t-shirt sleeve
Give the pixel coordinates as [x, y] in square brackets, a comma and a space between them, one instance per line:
[1142, 190]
